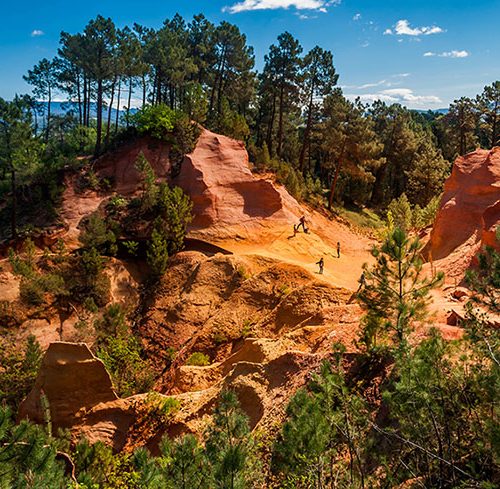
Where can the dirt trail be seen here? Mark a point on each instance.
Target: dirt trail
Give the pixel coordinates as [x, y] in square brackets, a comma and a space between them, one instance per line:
[279, 242]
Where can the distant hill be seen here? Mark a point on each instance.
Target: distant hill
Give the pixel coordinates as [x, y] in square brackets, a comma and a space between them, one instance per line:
[62, 108]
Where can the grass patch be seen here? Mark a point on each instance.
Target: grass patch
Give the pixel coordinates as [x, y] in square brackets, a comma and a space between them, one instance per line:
[361, 218]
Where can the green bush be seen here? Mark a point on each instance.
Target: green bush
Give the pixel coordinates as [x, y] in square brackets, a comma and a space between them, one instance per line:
[19, 371]
[157, 120]
[121, 355]
[198, 359]
[98, 235]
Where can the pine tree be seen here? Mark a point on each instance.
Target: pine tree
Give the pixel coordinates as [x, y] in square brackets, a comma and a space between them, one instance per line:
[43, 78]
[351, 146]
[396, 292]
[175, 213]
[283, 65]
[185, 464]
[28, 456]
[157, 254]
[489, 112]
[326, 425]
[228, 444]
[149, 187]
[319, 78]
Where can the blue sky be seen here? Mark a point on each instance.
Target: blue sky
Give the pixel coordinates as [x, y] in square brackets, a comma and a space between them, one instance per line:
[422, 53]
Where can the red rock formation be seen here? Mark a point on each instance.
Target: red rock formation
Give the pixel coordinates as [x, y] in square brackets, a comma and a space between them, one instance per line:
[217, 177]
[72, 379]
[469, 212]
[119, 165]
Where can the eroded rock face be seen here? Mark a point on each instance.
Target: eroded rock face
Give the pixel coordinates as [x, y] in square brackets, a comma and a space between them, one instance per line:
[469, 212]
[217, 177]
[119, 165]
[73, 380]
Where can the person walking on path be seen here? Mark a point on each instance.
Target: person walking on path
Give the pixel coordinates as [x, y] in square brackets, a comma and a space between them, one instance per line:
[362, 282]
[338, 249]
[321, 264]
[302, 222]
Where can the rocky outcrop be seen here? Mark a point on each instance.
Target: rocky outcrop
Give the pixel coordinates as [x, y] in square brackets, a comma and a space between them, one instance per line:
[469, 211]
[217, 177]
[72, 380]
[119, 166]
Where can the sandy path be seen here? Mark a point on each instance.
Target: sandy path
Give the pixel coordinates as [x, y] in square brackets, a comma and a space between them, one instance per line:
[305, 250]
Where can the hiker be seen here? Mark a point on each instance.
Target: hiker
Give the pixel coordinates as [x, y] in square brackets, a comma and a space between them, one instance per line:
[302, 222]
[321, 264]
[361, 281]
[338, 249]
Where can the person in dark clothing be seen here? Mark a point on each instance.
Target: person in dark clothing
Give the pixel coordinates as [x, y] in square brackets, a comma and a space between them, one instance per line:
[338, 249]
[362, 282]
[321, 264]
[302, 222]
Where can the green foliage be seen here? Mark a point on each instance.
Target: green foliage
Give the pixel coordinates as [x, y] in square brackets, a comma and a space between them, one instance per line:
[34, 290]
[323, 437]
[97, 467]
[229, 445]
[198, 359]
[18, 371]
[157, 254]
[175, 213]
[132, 247]
[187, 465]
[121, 354]
[97, 235]
[396, 292]
[401, 214]
[28, 456]
[149, 196]
[442, 410]
[24, 265]
[157, 120]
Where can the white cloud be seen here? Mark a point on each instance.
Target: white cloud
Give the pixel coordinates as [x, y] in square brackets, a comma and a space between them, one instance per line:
[246, 5]
[448, 54]
[403, 96]
[365, 44]
[403, 28]
[37, 33]
[305, 16]
[357, 17]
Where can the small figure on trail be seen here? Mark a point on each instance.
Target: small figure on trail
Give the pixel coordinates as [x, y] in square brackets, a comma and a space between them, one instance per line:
[362, 282]
[338, 249]
[302, 222]
[321, 264]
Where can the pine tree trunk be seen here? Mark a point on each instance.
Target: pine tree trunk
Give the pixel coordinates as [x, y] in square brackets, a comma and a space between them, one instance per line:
[270, 127]
[49, 103]
[280, 123]
[78, 88]
[13, 215]
[143, 91]
[306, 132]
[84, 101]
[110, 108]
[129, 99]
[118, 105]
[99, 118]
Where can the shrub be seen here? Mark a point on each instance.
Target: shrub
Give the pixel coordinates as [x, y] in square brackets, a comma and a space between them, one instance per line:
[97, 235]
[33, 290]
[19, 371]
[157, 120]
[121, 355]
[175, 210]
[198, 359]
[157, 254]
